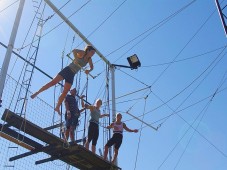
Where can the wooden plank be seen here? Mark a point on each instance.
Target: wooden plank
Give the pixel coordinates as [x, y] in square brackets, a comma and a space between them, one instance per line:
[19, 136]
[75, 155]
[30, 128]
[34, 151]
[55, 157]
[87, 159]
[16, 141]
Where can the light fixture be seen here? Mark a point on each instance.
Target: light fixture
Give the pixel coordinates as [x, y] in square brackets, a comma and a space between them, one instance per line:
[134, 61]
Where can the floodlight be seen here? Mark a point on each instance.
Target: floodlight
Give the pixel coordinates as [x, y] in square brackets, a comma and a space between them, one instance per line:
[134, 61]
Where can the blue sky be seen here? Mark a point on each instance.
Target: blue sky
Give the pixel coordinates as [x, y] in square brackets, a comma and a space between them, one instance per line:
[183, 60]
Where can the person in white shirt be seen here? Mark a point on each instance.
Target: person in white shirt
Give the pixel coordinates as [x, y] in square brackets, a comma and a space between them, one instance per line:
[117, 137]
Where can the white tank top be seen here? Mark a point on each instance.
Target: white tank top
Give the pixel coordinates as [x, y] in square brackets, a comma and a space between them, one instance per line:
[118, 128]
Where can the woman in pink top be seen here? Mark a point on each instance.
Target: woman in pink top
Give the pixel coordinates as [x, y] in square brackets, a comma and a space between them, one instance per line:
[117, 137]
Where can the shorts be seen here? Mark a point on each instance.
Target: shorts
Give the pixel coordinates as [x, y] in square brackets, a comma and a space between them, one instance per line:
[73, 121]
[67, 74]
[116, 140]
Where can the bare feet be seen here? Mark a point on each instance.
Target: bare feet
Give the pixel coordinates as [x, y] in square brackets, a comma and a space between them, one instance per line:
[34, 95]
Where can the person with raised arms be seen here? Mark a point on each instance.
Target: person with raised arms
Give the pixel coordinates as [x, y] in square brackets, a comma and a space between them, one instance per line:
[81, 58]
[118, 126]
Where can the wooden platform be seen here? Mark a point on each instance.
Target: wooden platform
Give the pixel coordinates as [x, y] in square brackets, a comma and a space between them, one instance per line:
[74, 154]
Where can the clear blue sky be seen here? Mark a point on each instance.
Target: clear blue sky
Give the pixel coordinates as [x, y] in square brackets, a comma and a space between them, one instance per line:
[183, 60]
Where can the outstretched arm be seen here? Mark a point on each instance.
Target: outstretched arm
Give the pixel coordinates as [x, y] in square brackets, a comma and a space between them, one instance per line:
[85, 106]
[129, 130]
[103, 115]
[110, 126]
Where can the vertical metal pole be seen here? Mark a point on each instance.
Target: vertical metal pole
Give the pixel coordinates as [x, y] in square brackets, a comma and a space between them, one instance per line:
[6, 61]
[112, 68]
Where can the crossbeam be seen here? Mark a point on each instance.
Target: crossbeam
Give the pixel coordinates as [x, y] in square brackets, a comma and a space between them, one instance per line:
[55, 157]
[36, 150]
[76, 30]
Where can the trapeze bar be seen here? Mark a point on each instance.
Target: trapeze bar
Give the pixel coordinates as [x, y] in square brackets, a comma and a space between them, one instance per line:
[155, 128]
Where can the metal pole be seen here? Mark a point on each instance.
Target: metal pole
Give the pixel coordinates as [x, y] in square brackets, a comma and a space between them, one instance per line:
[76, 30]
[142, 121]
[6, 61]
[112, 69]
[221, 16]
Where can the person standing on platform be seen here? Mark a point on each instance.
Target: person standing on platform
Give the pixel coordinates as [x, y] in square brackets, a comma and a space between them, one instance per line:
[117, 137]
[93, 129]
[72, 115]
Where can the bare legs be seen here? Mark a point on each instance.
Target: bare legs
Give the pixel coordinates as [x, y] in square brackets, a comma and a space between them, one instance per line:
[106, 152]
[115, 155]
[56, 80]
[66, 135]
[87, 144]
[93, 147]
[66, 89]
[70, 132]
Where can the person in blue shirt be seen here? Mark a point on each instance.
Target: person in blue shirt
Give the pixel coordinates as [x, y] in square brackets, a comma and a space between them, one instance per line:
[93, 129]
[72, 115]
[81, 58]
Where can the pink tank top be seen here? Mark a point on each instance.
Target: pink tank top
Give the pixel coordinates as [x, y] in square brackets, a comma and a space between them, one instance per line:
[118, 128]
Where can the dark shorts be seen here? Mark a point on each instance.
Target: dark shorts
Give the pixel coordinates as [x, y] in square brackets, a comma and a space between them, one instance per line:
[67, 74]
[93, 133]
[116, 140]
[73, 121]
